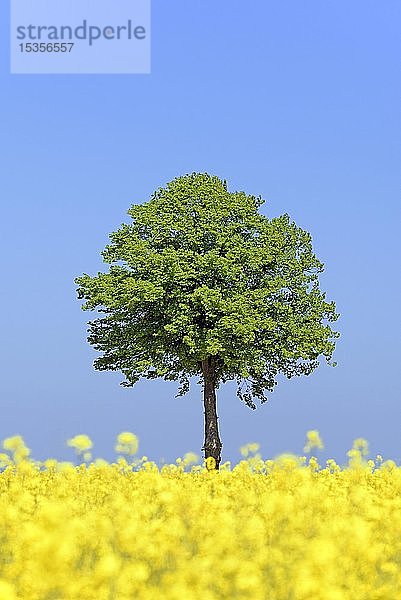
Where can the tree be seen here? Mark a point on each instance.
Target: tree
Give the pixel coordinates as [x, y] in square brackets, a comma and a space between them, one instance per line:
[201, 284]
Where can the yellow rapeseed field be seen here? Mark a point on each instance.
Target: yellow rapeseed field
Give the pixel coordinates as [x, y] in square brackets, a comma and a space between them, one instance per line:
[283, 529]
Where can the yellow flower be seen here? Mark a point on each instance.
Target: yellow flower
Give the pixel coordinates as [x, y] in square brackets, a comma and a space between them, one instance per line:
[80, 442]
[313, 463]
[126, 437]
[210, 463]
[362, 445]
[13, 443]
[253, 448]
[101, 530]
[5, 460]
[127, 443]
[313, 440]
[190, 458]
[249, 449]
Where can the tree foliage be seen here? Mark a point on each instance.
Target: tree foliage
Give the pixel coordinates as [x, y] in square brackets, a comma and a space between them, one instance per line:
[199, 272]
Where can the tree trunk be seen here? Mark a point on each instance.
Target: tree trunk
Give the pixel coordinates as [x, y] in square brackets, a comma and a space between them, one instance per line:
[213, 444]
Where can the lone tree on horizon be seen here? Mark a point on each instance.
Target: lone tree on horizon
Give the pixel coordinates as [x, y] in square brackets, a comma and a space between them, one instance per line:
[202, 284]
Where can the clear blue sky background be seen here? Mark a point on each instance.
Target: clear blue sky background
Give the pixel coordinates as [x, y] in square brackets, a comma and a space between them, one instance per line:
[296, 101]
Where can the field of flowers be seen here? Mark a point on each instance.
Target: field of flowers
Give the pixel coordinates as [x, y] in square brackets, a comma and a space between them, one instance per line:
[283, 529]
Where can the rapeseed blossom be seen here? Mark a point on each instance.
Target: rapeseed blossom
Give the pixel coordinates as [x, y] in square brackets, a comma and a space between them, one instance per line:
[262, 530]
[127, 443]
[80, 442]
[249, 449]
[16, 446]
[313, 440]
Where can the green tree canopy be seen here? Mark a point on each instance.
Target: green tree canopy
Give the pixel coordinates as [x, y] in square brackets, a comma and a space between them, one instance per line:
[200, 274]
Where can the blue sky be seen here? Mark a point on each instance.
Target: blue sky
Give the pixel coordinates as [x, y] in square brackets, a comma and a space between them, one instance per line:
[297, 102]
